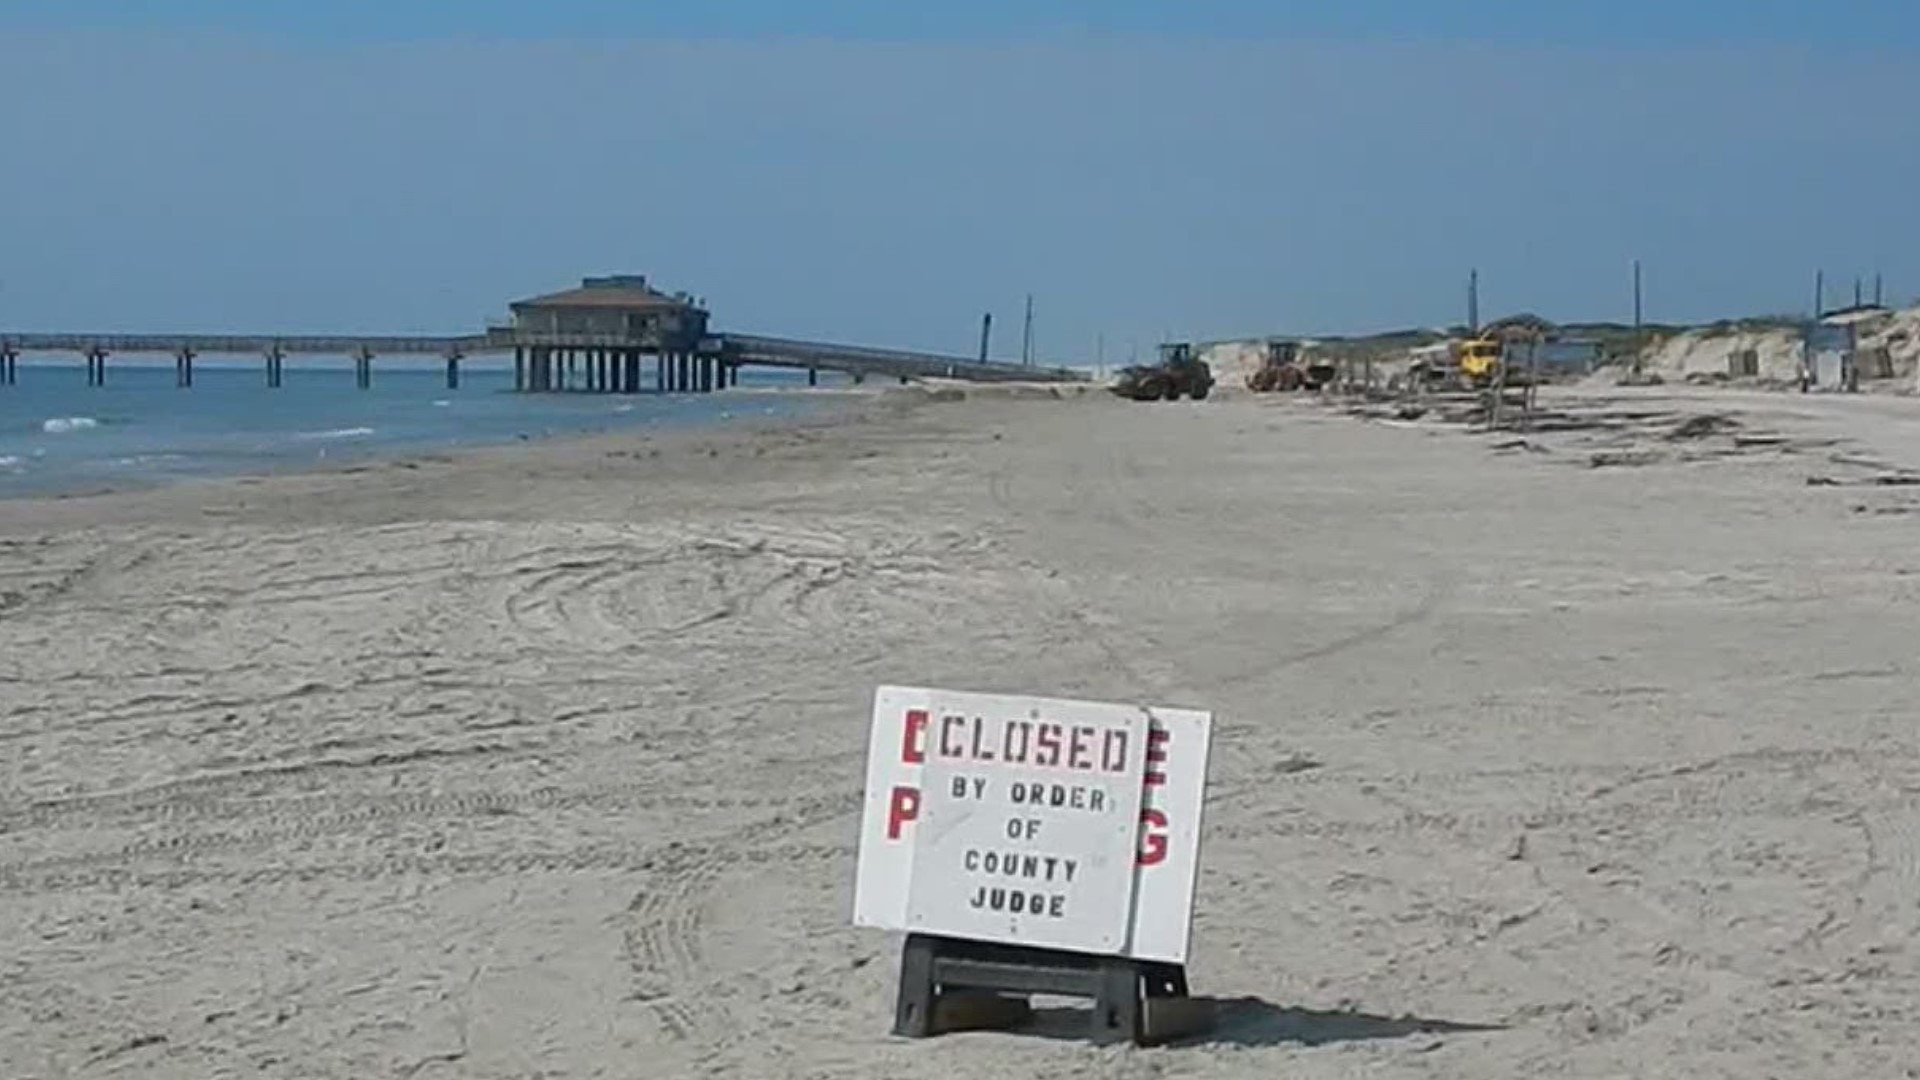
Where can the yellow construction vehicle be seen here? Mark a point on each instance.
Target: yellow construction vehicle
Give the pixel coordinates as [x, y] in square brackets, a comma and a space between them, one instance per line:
[1479, 360]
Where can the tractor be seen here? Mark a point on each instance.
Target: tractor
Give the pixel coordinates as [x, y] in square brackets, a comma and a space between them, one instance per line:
[1178, 372]
[1285, 368]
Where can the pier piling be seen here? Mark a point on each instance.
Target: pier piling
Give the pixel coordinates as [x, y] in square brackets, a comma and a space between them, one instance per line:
[183, 368]
[96, 366]
[9, 359]
[520, 367]
[453, 370]
[276, 359]
[363, 368]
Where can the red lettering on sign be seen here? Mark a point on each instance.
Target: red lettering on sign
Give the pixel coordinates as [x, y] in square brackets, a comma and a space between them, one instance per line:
[1153, 837]
[1157, 740]
[1082, 749]
[902, 808]
[1049, 741]
[1019, 743]
[913, 742]
[951, 745]
[981, 752]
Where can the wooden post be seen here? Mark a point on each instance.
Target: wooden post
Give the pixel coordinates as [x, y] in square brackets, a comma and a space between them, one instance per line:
[183, 367]
[96, 366]
[363, 368]
[520, 367]
[1498, 390]
[9, 356]
[274, 356]
[453, 369]
[813, 376]
[1533, 378]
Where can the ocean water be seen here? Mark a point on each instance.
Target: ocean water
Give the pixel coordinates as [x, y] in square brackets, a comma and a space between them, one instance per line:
[58, 434]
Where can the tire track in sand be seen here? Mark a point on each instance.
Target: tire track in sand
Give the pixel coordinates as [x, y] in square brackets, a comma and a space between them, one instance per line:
[668, 919]
[276, 824]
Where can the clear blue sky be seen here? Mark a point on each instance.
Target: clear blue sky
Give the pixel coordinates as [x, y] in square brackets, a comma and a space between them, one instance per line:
[883, 172]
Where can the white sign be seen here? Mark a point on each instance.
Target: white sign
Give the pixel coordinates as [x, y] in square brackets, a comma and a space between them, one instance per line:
[1027, 826]
[915, 870]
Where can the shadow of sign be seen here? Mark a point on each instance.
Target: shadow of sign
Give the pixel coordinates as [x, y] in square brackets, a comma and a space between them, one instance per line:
[1252, 1022]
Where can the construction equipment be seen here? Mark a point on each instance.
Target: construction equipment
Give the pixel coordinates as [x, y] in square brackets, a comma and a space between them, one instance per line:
[1178, 372]
[1284, 368]
[1479, 358]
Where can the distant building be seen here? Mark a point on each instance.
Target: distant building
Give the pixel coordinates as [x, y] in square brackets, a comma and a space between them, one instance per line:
[620, 309]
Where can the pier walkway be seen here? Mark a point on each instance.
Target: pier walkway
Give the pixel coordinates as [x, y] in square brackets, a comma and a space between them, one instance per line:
[543, 362]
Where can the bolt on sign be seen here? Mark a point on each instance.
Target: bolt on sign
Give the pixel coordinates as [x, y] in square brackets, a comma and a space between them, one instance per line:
[1048, 823]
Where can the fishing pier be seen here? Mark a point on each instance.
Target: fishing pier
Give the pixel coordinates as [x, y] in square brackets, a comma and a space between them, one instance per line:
[612, 335]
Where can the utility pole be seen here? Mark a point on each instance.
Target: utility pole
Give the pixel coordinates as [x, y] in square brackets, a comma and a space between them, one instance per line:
[1857, 297]
[986, 335]
[1819, 293]
[1639, 311]
[1473, 301]
[1026, 338]
[1879, 297]
[1639, 320]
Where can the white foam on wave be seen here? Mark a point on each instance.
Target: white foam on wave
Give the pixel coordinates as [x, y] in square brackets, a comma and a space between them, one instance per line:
[10, 462]
[623, 408]
[441, 403]
[337, 433]
[64, 425]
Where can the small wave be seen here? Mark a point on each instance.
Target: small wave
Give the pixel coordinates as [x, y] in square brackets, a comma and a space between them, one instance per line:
[63, 425]
[441, 403]
[623, 408]
[337, 433]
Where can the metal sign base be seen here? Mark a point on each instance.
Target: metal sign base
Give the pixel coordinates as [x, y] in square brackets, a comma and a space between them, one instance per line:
[933, 967]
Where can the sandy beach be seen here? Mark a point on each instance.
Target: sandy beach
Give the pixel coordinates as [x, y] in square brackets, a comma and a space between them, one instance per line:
[1586, 753]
